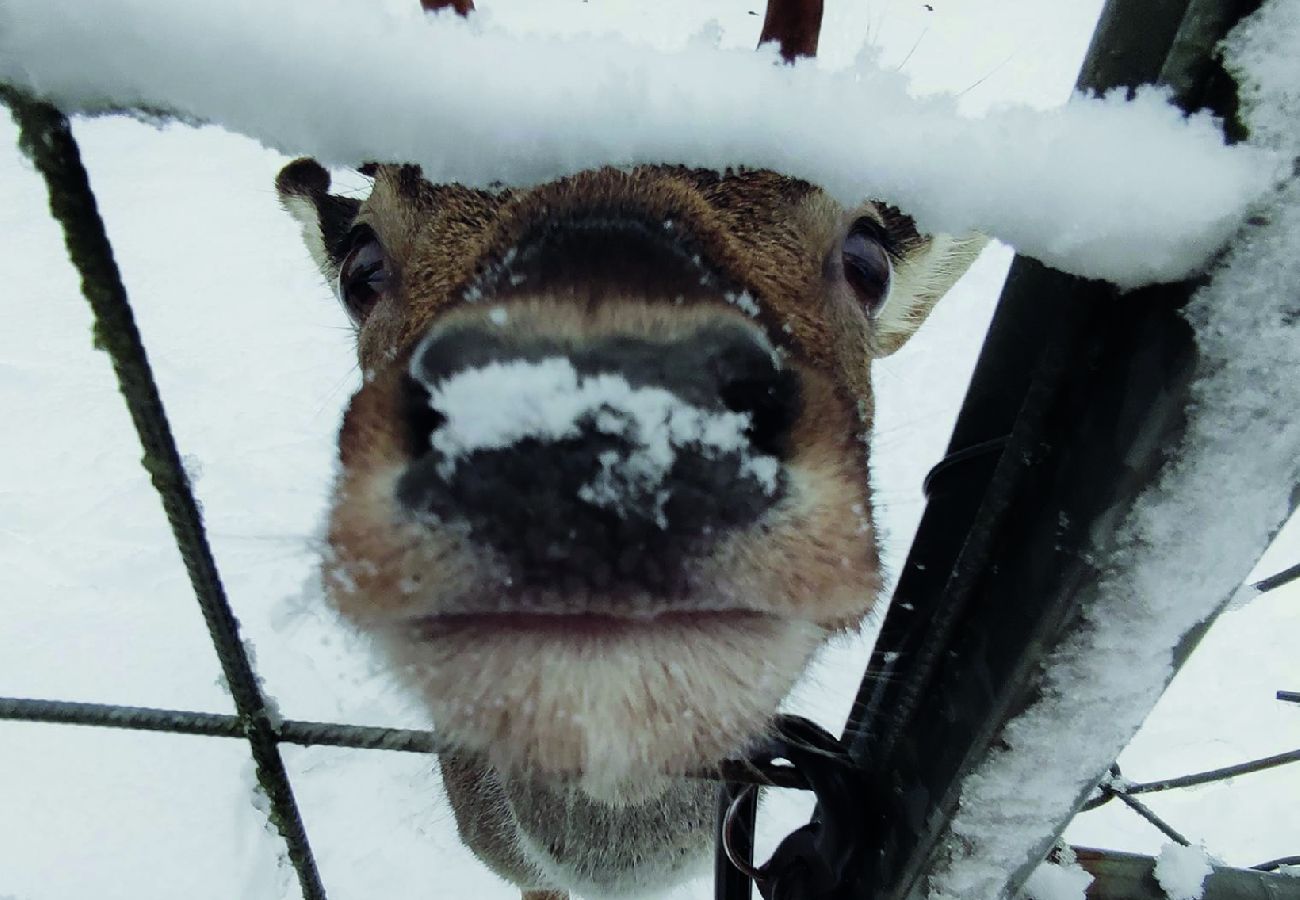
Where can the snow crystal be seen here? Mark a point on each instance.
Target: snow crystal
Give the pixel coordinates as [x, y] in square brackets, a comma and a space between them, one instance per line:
[1182, 550]
[549, 400]
[493, 108]
[1182, 871]
[744, 301]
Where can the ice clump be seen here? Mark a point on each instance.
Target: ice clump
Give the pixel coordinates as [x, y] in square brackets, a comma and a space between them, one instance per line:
[1182, 871]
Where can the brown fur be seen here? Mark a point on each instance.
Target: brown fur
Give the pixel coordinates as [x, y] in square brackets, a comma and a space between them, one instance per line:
[570, 742]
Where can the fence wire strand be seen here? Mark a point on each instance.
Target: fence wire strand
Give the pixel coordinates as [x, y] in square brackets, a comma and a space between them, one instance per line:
[316, 734]
[46, 139]
[1273, 582]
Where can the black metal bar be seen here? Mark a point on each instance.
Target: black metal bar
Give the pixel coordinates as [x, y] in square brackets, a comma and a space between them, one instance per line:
[1273, 582]
[1275, 864]
[1289, 696]
[1246, 768]
[1127, 876]
[1149, 814]
[178, 721]
[46, 138]
[1182, 781]
[1130, 44]
[737, 816]
[133, 718]
[313, 734]
[1001, 557]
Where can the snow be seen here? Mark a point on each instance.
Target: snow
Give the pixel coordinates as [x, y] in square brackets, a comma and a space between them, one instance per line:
[1182, 551]
[744, 302]
[548, 400]
[1130, 191]
[1181, 871]
[1063, 880]
[255, 361]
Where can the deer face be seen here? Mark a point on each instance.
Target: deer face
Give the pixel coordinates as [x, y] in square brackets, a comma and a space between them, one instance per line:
[605, 487]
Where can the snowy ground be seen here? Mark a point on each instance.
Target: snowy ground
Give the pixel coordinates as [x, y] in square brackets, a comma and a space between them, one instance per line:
[254, 361]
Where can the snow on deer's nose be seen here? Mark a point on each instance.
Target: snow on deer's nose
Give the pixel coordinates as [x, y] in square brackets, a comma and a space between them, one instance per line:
[610, 462]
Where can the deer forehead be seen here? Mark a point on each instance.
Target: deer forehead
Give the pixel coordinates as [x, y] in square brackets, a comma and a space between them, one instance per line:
[767, 233]
[776, 239]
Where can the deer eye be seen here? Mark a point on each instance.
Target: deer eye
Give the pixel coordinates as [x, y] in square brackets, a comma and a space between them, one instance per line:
[865, 258]
[363, 275]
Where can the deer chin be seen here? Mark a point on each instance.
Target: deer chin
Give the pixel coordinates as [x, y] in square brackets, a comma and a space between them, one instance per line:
[613, 705]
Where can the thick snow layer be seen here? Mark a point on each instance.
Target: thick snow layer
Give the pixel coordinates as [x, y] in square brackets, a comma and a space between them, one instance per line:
[1191, 538]
[502, 403]
[1181, 871]
[1133, 192]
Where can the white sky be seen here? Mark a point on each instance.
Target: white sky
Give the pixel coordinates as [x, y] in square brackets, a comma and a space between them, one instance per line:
[254, 362]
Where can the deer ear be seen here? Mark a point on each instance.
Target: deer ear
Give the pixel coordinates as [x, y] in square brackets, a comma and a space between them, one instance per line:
[919, 280]
[325, 218]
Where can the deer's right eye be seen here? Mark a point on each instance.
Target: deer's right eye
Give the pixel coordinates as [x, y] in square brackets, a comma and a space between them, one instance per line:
[865, 258]
[363, 275]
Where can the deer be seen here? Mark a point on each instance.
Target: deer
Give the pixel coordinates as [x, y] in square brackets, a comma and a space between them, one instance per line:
[604, 490]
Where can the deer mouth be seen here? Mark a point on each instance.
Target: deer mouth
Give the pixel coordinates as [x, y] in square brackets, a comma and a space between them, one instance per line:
[602, 701]
[576, 626]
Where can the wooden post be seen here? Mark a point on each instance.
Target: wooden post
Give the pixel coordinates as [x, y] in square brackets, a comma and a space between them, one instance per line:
[795, 25]
[462, 7]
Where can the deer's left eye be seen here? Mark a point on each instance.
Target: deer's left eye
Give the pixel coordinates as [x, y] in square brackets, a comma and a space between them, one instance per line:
[865, 258]
[363, 275]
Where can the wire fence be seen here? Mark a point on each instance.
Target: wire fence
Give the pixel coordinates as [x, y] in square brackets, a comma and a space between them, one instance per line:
[46, 138]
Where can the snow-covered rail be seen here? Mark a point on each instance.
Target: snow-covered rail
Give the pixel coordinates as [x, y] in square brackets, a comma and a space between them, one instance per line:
[1149, 465]
[1132, 192]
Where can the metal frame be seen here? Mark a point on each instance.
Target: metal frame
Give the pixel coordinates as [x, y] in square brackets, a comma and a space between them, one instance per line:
[1063, 422]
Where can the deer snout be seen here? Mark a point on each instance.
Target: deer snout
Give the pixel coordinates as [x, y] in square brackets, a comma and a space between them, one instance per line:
[610, 461]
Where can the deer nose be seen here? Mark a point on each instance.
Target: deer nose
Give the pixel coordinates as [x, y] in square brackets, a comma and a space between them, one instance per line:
[610, 460]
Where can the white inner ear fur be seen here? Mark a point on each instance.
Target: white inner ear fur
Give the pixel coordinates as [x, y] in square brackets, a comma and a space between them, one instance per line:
[304, 213]
[918, 281]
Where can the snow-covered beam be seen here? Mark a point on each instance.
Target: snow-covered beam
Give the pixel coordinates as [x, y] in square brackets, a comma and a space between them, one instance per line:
[1133, 192]
[1167, 561]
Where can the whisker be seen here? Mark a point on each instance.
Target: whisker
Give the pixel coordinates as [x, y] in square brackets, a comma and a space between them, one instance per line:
[924, 32]
[992, 72]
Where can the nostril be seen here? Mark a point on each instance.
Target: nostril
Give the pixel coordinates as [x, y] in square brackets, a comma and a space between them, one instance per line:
[420, 418]
[749, 378]
[772, 403]
[446, 352]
